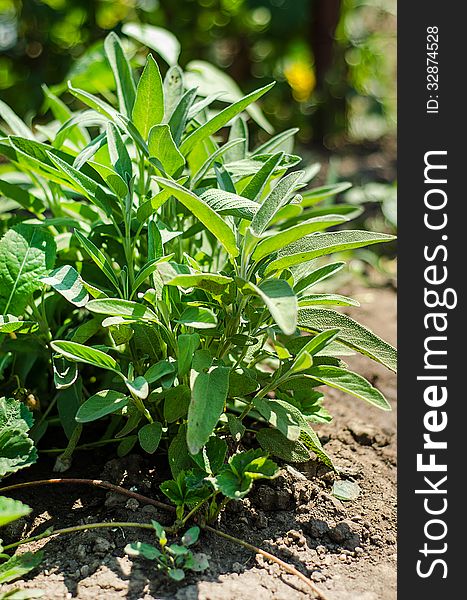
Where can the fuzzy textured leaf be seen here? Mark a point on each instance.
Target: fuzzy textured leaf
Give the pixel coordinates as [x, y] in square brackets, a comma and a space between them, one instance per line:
[320, 244]
[208, 395]
[210, 219]
[349, 382]
[351, 334]
[67, 281]
[101, 404]
[148, 109]
[27, 253]
[85, 354]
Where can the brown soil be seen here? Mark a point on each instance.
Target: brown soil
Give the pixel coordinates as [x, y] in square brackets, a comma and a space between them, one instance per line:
[347, 548]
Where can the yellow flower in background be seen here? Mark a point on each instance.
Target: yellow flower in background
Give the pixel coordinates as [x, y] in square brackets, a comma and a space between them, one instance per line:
[301, 78]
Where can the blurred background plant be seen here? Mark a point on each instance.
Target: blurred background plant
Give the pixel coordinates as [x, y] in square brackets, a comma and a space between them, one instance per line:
[335, 58]
[334, 62]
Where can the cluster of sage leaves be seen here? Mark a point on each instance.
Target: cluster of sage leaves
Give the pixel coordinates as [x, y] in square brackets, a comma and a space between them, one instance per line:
[157, 277]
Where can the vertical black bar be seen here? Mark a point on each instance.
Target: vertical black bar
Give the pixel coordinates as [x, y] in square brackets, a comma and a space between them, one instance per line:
[432, 273]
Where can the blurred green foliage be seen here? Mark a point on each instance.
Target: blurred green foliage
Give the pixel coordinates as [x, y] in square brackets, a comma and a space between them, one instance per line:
[335, 58]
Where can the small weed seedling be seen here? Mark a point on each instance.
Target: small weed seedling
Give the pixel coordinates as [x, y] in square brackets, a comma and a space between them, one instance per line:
[171, 559]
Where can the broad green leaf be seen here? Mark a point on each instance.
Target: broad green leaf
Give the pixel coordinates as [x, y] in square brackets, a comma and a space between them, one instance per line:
[242, 382]
[233, 485]
[161, 40]
[281, 301]
[85, 354]
[211, 80]
[351, 334]
[255, 187]
[84, 185]
[163, 148]
[275, 200]
[179, 457]
[149, 104]
[320, 244]
[86, 331]
[119, 157]
[204, 213]
[307, 436]
[126, 89]
[228, 203]
[16, 125]
[12, 324]
[302, 362]
[327, 299]
[274, 442]
[18, 565]
[280, 415]
[99, 258]
[122, 308]
[40, 155]
[27, 253]
[176, 403]
[67, 281]
[280, 239]
[149, 437]
[120, 329]
[11, 510]
[141, 549]
[283, 141]
[304, 278]
[318, 342]
[101, 404]
[221, 119]
[179, 117]
[311, 197]
[254, 463]
[198, 317]
[187, 344]
[158, 371]
[24, 198]
[349, 382]
[208, 396]
[212, 283]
